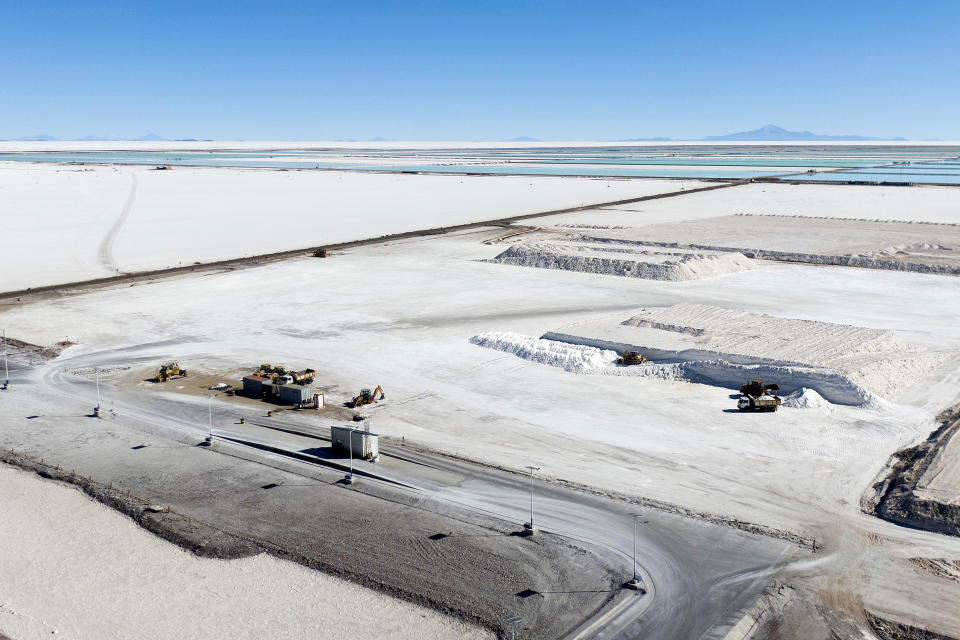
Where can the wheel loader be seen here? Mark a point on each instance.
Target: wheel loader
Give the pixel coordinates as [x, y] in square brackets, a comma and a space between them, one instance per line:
[170, 370]
[757, 388]
[367, 397]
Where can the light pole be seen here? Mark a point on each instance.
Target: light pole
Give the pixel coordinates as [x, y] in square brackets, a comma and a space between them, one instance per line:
[209, 421]
[349, 477]
[6, 367]
[514, 621]
[96, 409]
[635, 583]
[531, 529]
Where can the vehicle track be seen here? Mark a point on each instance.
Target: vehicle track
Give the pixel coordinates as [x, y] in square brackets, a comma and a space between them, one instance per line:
[106, 245]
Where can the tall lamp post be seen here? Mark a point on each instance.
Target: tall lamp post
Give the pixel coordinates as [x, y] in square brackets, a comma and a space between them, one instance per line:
[514, 621]
[6, 367]
[635, 583]
[96, 409]
[349, 479]
[209, 421]
[529, 526]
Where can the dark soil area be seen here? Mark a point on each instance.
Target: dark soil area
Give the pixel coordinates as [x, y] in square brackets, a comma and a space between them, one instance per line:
[477, 569]
[888, 630]
[895, 499]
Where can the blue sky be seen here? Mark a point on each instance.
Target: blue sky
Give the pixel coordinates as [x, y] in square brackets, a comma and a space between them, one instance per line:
[477, 70]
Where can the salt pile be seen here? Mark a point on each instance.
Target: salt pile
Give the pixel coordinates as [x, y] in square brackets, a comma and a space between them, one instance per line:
[786, 340]
[574, 358]
[569, 357]
[844, 364]
[653, 263]
[806, 399]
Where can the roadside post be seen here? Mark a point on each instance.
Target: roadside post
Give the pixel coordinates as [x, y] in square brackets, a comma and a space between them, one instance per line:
[6, 366]
[349, 479]
[529, 526]
[635, 583]
[96, 409]
[513, 621]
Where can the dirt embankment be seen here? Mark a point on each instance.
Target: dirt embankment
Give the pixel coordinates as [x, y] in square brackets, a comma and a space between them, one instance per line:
[458, 563]
[889, 630]
[893, 497]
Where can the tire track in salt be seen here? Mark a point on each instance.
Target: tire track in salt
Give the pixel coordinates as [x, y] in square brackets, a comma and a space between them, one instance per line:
[106, 245]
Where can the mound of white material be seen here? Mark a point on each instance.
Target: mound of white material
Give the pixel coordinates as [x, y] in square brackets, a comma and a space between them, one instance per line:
[575, 358]
[570, 357]
[806, 399]
[648, 262]
[784, 339]
[845, 364]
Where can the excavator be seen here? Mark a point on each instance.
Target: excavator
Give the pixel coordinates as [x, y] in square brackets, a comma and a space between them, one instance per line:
[367, 397]
[170, 370]
[631, 357]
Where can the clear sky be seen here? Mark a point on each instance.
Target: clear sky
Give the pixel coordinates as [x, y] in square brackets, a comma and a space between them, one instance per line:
[478, 70]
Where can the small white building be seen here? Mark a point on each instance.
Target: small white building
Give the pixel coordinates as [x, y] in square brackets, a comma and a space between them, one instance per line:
[363, 443]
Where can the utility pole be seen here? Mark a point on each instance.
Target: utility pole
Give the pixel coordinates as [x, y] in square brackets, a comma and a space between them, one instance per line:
[349, 479]
[514, 621]
[96, 409]
[6, 366]
[529, 526]
[635, 583]
[209, 421]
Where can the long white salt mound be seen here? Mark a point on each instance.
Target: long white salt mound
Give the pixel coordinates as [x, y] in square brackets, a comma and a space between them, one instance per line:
[646, 262]
[574, 358]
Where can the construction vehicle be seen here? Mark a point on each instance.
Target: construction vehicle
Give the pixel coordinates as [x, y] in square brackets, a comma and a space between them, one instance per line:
[170, 370]
[758, 403]
[757, 388]
[631, 357]
[303, 377]
[280, 375]
[367, 397]
[756, 396]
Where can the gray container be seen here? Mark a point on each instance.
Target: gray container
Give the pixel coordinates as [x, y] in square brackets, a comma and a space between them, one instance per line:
[364, 443]
[293, 394]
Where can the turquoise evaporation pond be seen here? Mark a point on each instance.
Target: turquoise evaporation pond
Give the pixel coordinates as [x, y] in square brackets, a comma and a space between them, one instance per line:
[263, 160]
[875, 176]
[720, 162]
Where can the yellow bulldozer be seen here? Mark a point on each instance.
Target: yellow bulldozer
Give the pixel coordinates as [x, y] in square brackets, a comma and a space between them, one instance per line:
[631, 357]
[170, 370]
[367, 397]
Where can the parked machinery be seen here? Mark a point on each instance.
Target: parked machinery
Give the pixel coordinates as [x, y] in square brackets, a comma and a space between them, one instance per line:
[303, 377]
[367, 397]
[631, 357]
[280, 375]
[170, 370]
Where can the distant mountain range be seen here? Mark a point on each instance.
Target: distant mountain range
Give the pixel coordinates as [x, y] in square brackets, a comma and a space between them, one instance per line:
[150, 137]
[771, 133]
